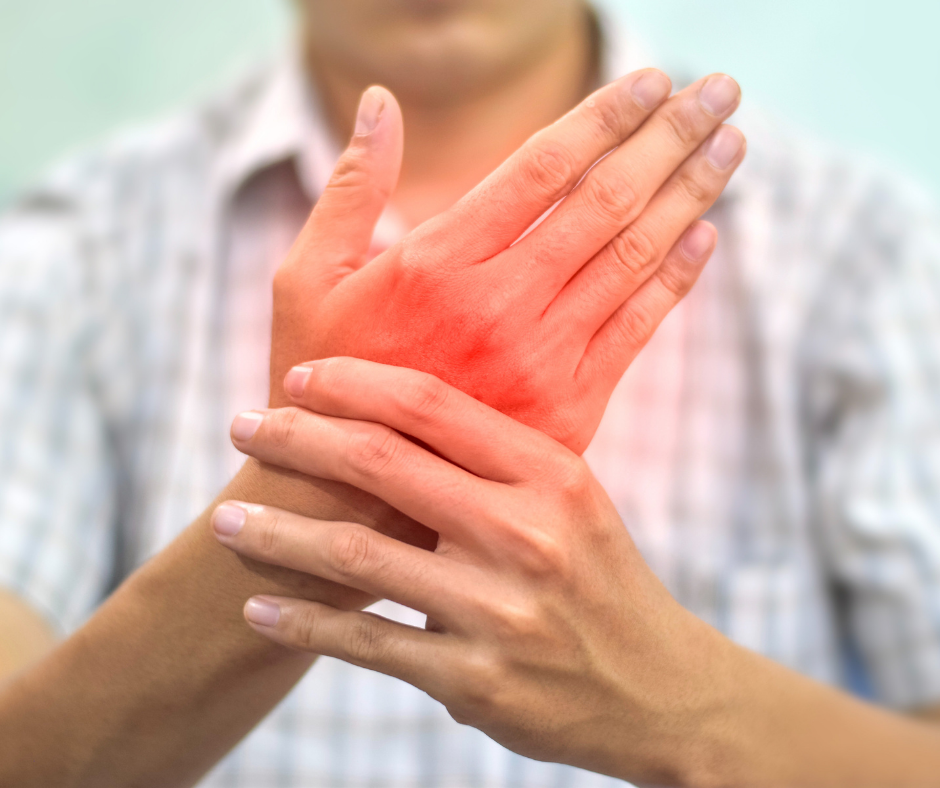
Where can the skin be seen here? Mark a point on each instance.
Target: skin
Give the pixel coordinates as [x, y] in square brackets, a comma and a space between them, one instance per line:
[30, 637]
[542, 328]
[475, 79]
[163, 720]
[547, 631]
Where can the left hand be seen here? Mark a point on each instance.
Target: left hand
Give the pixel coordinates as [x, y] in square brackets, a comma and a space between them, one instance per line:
[540, 325]
[546, 628]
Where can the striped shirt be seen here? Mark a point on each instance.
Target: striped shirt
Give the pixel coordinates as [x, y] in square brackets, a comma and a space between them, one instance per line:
[774, 451]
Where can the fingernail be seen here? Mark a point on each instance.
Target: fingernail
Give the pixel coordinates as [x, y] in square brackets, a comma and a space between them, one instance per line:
[370, 110]
[246, 424]
[296, 381]
[228, 519]
[719, 94]
[697, 242]
[724, 146]
[262, 612]
[651, 89]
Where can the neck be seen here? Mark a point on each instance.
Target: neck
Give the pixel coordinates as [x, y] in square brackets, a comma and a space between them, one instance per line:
[450, 148]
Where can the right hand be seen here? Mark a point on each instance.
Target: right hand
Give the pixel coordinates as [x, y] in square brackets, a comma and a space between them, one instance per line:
[540, 328]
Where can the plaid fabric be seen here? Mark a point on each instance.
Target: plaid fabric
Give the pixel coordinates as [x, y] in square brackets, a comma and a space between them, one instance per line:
[775, 451]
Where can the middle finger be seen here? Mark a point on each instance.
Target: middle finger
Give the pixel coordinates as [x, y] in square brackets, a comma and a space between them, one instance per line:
[617, 190]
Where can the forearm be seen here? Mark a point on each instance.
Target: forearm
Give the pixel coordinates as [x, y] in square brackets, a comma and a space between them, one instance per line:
[770, 726]
[26, 636]
[166, 677]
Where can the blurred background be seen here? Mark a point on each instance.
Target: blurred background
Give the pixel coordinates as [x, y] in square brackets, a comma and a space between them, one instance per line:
[862, 73]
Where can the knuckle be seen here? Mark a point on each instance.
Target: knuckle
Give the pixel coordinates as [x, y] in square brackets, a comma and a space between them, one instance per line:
[550, 168]
[634, 250]
[477, 690]
[363, 639]
[610, 118]
[349, 174]
[613, 199]
[426, 398]
[677, 280]
[546, 556]
[350, 551]
[459, 711]
[372, 452]
[329, 376]
[282, 428]
[306, 629]
[637, 325]
[681, 126]
[272, 535]
[697, 189]
[574, 480]
[541, 551]
[519, 622]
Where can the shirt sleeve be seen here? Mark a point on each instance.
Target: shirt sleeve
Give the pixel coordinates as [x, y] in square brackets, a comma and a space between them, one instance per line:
[57, 488]
[873, 409]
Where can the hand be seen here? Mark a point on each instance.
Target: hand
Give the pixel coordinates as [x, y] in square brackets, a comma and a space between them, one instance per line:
[547, 630]
[540, 328]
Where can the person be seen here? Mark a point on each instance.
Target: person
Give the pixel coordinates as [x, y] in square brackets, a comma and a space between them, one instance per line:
[131, 289]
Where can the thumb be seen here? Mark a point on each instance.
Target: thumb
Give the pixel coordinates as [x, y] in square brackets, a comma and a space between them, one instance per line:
[341, 225]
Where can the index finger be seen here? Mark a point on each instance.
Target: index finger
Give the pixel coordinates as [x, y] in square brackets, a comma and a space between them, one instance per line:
[467, 432]
[550, 164]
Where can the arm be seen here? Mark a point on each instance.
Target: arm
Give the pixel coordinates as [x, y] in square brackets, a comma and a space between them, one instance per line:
[549, 632]
[164, 680]
[26, 635]
[165, 677]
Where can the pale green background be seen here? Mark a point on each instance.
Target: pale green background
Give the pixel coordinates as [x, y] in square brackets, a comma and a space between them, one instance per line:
[862, 73]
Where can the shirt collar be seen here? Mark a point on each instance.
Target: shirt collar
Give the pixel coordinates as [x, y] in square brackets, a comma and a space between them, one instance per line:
[286, 120]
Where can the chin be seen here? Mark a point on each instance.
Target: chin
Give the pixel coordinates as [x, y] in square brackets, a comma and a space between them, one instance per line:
[432, 50]
[439, 69]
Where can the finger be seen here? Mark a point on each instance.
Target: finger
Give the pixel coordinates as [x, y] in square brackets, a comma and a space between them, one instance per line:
[338, 234]
[500, 209]
[616, 192]
[616, 344]
[373, 458]
[369, 641]
[619, 269]
[346, 553]
[475, 436]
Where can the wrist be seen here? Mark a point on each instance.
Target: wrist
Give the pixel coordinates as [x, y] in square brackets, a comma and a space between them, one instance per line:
[717, 751]
[691, 732]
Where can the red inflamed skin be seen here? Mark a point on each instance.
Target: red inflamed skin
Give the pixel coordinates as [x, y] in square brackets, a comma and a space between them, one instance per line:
[535, 291]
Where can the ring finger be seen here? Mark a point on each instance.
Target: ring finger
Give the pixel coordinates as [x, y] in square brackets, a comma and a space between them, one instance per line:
[346, 553]
[618, 270]
[369, 641]
[616, 191]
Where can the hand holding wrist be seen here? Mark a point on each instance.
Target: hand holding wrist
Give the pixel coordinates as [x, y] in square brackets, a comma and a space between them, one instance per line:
[549, 632]
[544, 609]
